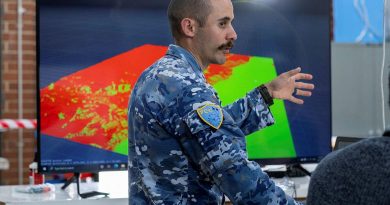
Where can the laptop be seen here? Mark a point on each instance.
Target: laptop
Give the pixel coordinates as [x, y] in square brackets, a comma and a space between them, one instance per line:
[342, 141]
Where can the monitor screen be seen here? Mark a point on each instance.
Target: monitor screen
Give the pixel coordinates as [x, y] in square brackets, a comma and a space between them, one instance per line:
[91, 52]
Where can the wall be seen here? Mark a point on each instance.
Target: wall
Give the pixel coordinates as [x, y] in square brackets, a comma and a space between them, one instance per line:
[9, 83]
[356, 95]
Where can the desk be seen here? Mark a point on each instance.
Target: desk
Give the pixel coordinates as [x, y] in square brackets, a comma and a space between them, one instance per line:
[301, 186]
[301, 183]
[9, 196]
[118, 194]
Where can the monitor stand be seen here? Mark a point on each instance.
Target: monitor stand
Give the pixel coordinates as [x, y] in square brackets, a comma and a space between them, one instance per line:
[296, 170]
[76, 176]
[290, 170]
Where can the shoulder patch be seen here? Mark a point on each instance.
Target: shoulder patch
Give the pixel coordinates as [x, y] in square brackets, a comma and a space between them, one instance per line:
[211, 114]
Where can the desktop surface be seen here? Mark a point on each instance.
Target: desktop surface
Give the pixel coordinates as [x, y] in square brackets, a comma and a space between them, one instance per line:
[10, 196]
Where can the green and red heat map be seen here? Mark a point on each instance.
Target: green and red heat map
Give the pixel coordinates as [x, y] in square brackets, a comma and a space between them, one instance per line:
[90, 106]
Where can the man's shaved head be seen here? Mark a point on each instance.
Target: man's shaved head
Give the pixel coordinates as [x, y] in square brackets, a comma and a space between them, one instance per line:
[180, 9]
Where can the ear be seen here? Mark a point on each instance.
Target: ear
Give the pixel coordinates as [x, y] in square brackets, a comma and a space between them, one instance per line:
[188, 27]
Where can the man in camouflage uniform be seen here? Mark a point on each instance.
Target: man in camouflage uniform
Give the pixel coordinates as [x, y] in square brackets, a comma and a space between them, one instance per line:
[184, 148]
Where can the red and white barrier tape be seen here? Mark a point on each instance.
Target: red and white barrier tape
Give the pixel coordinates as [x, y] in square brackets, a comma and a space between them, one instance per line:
[18, 124]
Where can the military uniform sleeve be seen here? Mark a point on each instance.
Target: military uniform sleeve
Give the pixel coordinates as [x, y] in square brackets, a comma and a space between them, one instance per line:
[250, 113]
[217, 151]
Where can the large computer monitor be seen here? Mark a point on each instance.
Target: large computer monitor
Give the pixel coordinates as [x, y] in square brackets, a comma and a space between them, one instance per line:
[91, 52]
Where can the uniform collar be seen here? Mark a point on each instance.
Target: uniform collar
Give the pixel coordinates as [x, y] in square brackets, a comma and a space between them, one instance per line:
[184, 54]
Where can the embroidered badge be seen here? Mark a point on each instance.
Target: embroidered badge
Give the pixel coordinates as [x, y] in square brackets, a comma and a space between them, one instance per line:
[211, 115]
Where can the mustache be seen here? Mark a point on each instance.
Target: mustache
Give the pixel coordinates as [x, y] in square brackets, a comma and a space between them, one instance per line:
[228, 45]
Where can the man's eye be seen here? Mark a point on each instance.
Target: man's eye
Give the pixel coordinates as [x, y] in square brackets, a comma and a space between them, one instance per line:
[222, 24]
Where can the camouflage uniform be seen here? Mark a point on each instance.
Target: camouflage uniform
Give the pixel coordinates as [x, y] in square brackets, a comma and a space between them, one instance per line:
[178, 157]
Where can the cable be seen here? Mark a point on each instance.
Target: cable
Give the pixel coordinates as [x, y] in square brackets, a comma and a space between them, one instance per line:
[362, 15]
[383, 64]
[361, 9]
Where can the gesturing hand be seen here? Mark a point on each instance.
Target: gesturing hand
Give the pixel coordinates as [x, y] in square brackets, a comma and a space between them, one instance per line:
[285, 86]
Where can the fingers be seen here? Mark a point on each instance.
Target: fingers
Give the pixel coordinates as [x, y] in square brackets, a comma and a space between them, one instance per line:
[295, 100]
[303, 76]
[302, 85]
[303, 93]
[293, 72]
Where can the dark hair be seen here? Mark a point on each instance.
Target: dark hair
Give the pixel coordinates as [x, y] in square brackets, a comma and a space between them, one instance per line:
[180, 9]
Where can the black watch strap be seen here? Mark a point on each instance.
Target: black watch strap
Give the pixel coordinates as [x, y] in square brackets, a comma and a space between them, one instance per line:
[265, 94]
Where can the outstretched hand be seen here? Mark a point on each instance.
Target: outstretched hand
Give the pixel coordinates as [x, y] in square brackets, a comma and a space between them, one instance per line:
[286, 87]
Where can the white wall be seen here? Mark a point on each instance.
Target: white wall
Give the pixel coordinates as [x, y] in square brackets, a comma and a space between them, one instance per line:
[356, 95]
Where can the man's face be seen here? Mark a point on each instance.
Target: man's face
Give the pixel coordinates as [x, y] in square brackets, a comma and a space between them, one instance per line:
[215, 39]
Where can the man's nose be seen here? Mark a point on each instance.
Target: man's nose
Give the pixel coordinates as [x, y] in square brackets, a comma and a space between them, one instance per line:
[232, 35]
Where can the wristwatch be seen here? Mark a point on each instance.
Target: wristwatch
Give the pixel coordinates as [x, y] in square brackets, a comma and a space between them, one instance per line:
[265, 94]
